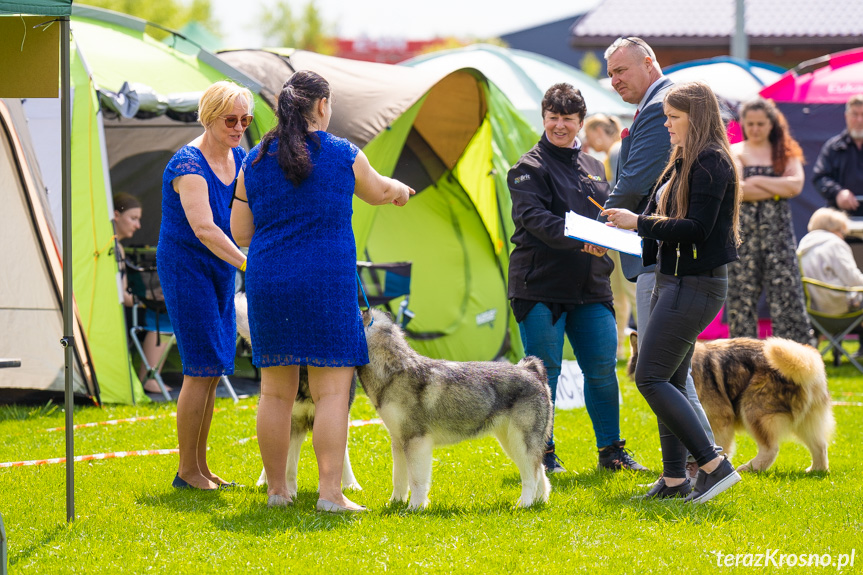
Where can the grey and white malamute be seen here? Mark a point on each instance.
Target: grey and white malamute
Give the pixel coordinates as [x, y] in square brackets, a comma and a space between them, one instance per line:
[428, 402]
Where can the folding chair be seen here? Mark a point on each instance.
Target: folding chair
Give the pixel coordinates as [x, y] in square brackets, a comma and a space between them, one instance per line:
[831, 326]
[150, 314]
[383, 283]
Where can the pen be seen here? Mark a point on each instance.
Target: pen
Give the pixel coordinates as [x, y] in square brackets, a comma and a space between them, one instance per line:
[595, 203]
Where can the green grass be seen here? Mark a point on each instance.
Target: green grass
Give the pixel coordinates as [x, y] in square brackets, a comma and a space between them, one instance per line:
[129, 519]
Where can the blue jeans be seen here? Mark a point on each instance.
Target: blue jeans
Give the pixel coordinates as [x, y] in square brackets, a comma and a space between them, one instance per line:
[592, 332]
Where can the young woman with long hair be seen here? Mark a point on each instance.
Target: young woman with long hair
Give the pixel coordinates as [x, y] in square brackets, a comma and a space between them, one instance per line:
[690, 230]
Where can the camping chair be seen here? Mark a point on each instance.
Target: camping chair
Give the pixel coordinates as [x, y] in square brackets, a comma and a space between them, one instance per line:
[150, 314]
[833, 327]
[382, 283]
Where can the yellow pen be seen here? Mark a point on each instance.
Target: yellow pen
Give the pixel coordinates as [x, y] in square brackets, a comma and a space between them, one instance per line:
[595, 203]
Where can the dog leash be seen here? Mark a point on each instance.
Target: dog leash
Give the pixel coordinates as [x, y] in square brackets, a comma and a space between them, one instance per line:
[366, 299]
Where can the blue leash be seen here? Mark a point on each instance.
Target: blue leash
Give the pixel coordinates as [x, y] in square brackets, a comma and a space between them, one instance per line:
[366, 299]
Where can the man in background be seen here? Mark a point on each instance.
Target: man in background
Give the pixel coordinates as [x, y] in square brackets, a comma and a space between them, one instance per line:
[838, 173]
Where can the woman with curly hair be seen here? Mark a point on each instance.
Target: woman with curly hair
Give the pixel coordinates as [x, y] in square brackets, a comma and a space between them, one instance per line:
[770, 163]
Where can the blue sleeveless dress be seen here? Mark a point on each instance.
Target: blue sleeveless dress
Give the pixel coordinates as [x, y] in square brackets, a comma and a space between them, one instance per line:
[198, 286]
[301, 273]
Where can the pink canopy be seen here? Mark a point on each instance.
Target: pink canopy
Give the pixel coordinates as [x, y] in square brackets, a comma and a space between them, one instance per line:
[830, 79]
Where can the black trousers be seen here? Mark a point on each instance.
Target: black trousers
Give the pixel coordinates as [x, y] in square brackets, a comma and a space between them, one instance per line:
[681, 307]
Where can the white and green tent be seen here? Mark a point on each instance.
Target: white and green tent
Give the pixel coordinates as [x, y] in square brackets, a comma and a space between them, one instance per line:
[452, 137]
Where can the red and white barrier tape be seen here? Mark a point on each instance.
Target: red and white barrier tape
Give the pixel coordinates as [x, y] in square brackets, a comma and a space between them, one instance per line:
[848, 403]
[96, 456]
[113, 422]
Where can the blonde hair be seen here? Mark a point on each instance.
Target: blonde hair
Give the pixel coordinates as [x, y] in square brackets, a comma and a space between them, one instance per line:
[608, 124]
[706, 132]
[219, 99]
[829, 220]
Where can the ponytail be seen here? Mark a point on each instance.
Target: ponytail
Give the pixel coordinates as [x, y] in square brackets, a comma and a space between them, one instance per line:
[295, 111]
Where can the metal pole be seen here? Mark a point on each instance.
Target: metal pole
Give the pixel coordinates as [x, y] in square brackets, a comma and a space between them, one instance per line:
[739, 41]
[2, 547]
[68, 341]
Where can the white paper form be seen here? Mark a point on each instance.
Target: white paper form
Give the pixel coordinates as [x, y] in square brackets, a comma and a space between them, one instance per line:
[597, 233]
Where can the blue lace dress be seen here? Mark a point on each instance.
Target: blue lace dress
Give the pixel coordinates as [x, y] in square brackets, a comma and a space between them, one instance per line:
[301, 273]
[198, 286]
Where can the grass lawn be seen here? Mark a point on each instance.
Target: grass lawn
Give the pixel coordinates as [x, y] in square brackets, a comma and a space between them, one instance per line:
[130, 520]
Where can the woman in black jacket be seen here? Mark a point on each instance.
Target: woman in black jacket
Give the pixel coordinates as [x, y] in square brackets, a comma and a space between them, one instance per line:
[559, 287]
[690, 229]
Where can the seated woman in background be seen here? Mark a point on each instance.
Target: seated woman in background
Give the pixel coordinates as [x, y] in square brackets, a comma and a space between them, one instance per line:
[825, 256]
[127, 221]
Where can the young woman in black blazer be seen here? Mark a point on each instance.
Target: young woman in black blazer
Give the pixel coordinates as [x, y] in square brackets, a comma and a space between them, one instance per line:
[690, 230]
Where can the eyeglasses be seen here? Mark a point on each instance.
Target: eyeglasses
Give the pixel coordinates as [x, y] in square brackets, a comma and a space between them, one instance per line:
[636, 42]
[231, 121]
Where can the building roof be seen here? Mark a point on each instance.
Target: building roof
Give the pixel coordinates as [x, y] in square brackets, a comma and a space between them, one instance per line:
[679, 22]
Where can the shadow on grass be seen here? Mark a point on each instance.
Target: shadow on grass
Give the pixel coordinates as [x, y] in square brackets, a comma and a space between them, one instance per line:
[47, 538]
[255, 517]
[597, 478]
[445, 511]
[788, 475]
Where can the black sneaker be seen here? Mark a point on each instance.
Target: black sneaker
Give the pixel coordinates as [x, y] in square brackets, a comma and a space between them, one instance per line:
[709, 485]
[552, 462]
[615, 457]
[662, 491]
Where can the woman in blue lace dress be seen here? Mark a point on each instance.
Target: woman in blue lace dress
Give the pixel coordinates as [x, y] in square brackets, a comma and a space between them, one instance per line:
[301, 285]
[197, 262]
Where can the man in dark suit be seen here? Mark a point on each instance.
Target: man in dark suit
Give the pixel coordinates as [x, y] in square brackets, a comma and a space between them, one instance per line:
[644, 151]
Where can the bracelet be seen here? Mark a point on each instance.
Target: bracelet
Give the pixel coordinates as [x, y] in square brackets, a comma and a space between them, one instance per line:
[242, 267]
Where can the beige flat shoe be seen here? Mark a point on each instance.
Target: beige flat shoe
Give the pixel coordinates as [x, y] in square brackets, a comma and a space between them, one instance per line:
[330, 507]
[277, 500]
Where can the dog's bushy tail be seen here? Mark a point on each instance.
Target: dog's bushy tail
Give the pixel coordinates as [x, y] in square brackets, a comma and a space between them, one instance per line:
[534, 364]
[242, 316]
[799, 363]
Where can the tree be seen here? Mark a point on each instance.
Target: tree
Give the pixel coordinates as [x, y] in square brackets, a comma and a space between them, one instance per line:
[307, 32]
[172, 14]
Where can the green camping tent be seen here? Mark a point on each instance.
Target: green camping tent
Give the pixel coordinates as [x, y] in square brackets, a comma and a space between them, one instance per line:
[452, 137]
[133, 105]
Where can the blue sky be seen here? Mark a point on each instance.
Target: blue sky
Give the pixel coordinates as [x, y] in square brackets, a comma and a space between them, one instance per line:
[405, 19]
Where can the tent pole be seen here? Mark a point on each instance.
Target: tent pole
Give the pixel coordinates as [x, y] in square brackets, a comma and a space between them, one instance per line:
[68, 338]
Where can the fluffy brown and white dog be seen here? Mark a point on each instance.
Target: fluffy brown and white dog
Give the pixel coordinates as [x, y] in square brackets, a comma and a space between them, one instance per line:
[302, 416]
[770, 388]
[427, 402]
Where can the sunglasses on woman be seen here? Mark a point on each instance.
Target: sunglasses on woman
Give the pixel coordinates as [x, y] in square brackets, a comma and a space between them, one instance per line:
[231, 121]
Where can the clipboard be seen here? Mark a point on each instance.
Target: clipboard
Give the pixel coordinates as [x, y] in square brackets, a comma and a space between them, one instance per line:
[597, 233]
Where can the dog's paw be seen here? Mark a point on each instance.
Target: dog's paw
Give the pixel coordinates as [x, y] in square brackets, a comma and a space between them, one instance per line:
[418, 505]
[399, 497]
[352, 486]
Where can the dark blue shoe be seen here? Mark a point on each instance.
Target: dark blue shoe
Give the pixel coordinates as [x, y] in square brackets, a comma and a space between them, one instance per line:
[552, 462]
[180, 483]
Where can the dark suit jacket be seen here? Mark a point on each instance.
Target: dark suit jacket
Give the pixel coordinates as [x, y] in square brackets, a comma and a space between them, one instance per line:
[643, 155]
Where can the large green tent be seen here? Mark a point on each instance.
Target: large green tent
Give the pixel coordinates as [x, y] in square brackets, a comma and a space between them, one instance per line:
[452, 137]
